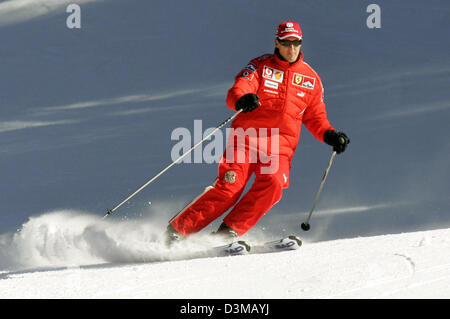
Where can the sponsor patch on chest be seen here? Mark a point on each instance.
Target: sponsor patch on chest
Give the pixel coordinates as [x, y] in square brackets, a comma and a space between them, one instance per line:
[273, 74]
[303, 81]
[271, 84]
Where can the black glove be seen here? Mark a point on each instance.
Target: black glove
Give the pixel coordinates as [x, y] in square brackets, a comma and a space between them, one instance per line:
[247, 103]
[338, 140]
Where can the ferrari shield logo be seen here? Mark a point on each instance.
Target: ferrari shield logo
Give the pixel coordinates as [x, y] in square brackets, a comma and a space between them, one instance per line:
[304, 81]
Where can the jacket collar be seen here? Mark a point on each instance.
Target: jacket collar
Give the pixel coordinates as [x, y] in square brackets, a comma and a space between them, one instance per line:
[282, 62]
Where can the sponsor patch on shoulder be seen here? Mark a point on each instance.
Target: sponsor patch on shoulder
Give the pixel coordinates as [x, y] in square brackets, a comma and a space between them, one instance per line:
[251, 67]
[246, 74]
[304, 81]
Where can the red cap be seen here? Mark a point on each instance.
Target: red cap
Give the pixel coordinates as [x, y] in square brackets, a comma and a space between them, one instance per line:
[289, 29]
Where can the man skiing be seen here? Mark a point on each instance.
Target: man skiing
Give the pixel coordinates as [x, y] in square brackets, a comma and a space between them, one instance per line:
[276, 92]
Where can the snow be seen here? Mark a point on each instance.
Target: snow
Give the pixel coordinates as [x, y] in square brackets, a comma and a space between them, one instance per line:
[74, 255]
[86, 117]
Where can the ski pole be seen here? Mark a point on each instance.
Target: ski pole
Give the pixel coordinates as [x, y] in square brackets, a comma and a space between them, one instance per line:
[110, 211]
[305, 226]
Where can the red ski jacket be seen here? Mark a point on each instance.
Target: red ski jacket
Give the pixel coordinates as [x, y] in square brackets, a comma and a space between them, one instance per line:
[290, 94]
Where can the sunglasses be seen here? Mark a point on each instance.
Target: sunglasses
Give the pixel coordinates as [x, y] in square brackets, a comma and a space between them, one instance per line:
[287, 43]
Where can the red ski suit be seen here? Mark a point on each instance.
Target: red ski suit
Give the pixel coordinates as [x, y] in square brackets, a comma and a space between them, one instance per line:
[290, 94]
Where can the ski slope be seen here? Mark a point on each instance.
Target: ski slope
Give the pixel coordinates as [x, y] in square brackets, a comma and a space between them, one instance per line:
[71, 255]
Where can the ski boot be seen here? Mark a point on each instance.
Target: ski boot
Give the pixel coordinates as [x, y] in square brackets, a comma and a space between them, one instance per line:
[172, 236]
[226, 232]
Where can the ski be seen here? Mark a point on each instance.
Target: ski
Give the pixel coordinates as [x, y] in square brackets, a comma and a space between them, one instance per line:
[241, 247]
[233, 249]
[290, 242]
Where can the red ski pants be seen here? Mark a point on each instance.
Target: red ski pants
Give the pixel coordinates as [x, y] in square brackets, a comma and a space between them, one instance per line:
[231, 181]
